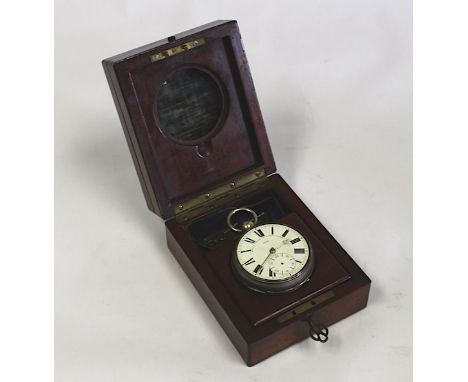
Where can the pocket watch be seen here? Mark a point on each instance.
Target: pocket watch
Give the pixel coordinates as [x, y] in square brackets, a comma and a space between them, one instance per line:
[270, 258]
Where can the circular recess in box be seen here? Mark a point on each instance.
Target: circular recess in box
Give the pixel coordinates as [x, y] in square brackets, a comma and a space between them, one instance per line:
[190, 106]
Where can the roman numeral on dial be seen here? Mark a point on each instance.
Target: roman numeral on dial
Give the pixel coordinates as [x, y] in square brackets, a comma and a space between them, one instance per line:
[258, 269]
[249, 240]
[294, 241]
[272, 274]
[299, 250]
[285, 233]
[249, 261]
[259, 232]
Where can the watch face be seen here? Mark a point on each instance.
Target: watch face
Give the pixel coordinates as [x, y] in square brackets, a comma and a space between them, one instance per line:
[273, 258]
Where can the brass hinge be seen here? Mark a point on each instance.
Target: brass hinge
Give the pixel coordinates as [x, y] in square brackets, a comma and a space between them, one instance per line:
[206, 201]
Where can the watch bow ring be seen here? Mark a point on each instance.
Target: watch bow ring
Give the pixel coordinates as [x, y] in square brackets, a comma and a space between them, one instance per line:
[247, 224]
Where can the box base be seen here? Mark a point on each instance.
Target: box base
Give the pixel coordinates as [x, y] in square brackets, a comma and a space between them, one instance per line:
[257, 340]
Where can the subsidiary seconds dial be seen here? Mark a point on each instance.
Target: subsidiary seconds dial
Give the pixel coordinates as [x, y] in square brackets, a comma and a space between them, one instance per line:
[273, 258]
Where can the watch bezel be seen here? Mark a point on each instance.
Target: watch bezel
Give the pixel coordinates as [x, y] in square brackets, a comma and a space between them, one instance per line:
[274, 286]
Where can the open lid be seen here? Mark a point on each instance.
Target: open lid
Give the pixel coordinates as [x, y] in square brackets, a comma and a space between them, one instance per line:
[191, 116]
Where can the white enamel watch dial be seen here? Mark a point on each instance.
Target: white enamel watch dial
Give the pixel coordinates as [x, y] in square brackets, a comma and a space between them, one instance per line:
[273, 258]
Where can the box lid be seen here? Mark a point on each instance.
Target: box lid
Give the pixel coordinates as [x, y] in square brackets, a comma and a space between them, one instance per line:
[191, 116]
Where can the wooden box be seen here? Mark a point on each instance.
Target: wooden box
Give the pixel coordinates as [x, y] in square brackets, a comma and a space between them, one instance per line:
[194, 127]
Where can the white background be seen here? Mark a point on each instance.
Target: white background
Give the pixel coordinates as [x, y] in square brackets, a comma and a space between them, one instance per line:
[334, 81]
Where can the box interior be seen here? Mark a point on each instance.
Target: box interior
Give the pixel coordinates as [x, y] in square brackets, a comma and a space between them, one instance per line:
[215, 243]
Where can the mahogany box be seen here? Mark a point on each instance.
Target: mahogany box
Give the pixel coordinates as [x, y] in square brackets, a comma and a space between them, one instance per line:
[193, 124]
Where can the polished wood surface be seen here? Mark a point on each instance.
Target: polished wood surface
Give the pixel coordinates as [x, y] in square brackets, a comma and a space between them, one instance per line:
[235, 311]
[171, 173]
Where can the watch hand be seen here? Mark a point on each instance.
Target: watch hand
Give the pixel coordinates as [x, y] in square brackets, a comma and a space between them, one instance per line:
[282, 243]
[273, 251]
